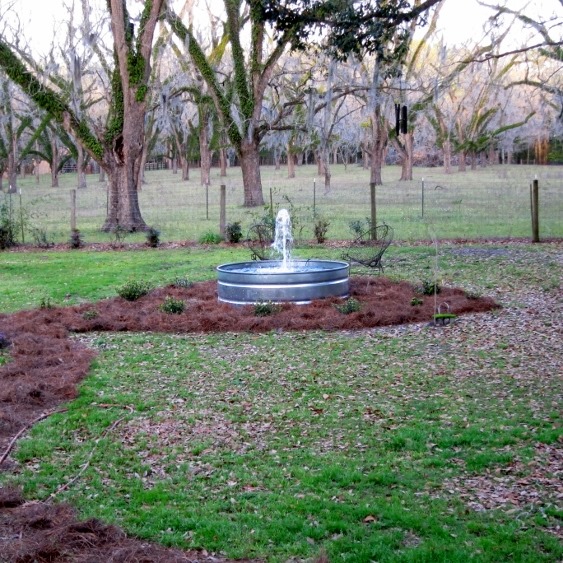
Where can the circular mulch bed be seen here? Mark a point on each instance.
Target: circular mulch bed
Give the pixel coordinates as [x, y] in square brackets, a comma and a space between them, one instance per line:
[46, 366]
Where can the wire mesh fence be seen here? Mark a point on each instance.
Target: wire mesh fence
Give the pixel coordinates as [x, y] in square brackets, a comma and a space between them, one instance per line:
[492, 202]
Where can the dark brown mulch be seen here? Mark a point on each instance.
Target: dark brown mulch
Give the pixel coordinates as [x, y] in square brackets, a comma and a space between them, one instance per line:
[41, 532]
[46, 366]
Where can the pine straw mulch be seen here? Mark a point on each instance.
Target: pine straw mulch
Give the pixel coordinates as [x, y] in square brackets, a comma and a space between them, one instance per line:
[46, 366]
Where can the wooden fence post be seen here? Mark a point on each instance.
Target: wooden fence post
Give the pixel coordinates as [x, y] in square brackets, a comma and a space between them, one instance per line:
[534, 205]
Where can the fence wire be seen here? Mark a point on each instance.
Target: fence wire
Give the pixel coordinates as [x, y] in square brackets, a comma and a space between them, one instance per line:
[483, 204]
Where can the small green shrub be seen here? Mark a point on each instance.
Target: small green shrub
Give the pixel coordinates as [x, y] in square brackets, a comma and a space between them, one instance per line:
[351, 305]
[46, 303]
[472, 295]
[133, 290]
[153, 237]
[210, 238]
[359, 226]
[41, 237]
[429, 287]
[182, 282]
[321, 229]
[234, 232]
[266, 308]
[266, 220]
[172, 306]
[7, 239]
[8, 226]
[118, 235]
[416, 301]
[90, 314]
[75, 240]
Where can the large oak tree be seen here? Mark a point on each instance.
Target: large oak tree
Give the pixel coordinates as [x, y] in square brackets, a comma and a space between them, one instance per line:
[344, 27]
[117, 143]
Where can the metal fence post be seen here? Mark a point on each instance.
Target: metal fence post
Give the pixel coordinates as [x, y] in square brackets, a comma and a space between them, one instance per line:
[422, 198]
[223, 210]
[72, 210]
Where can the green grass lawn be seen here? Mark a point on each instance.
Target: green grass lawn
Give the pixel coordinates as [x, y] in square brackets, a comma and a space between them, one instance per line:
[401, 444]
[279, 446]
[488, 202]
[78, 276]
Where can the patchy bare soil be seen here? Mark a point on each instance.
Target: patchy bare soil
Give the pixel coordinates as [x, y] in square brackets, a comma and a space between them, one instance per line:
[45, 367]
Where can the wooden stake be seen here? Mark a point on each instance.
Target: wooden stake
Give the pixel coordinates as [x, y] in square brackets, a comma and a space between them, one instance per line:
[534, 201]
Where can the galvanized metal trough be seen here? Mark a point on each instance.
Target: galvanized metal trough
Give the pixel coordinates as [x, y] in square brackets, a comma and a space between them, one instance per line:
[243, 283]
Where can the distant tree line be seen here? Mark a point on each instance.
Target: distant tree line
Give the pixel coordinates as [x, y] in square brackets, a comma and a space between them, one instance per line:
[287, 83]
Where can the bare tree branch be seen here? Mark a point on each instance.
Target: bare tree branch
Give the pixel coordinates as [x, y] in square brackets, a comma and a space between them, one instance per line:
[526, 49]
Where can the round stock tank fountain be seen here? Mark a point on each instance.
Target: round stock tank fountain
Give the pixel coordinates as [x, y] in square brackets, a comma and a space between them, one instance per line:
[285, 280]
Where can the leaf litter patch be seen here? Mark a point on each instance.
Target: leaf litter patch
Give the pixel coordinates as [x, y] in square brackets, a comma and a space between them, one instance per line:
[517, 489]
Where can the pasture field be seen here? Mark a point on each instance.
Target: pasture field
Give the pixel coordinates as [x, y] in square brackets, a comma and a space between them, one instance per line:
[404, 443]
[486, 203]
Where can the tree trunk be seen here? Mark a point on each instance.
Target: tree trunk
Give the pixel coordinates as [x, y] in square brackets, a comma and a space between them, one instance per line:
[447, 149]
[319, 160]
[205, 153]
[123, 201]
[223, 162]
[325, 160]
[13, 167]
[181, 146]
[251, 179]
[493, 155]
[185, 168]
[123, 166]
[473, 160]
[205, 168]
[144, 157]
[462, 164]
[80, 168]
[122, 160]
[290, 161]
[376, 164]
[406, 161]
[378, 146]
[54, 162]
